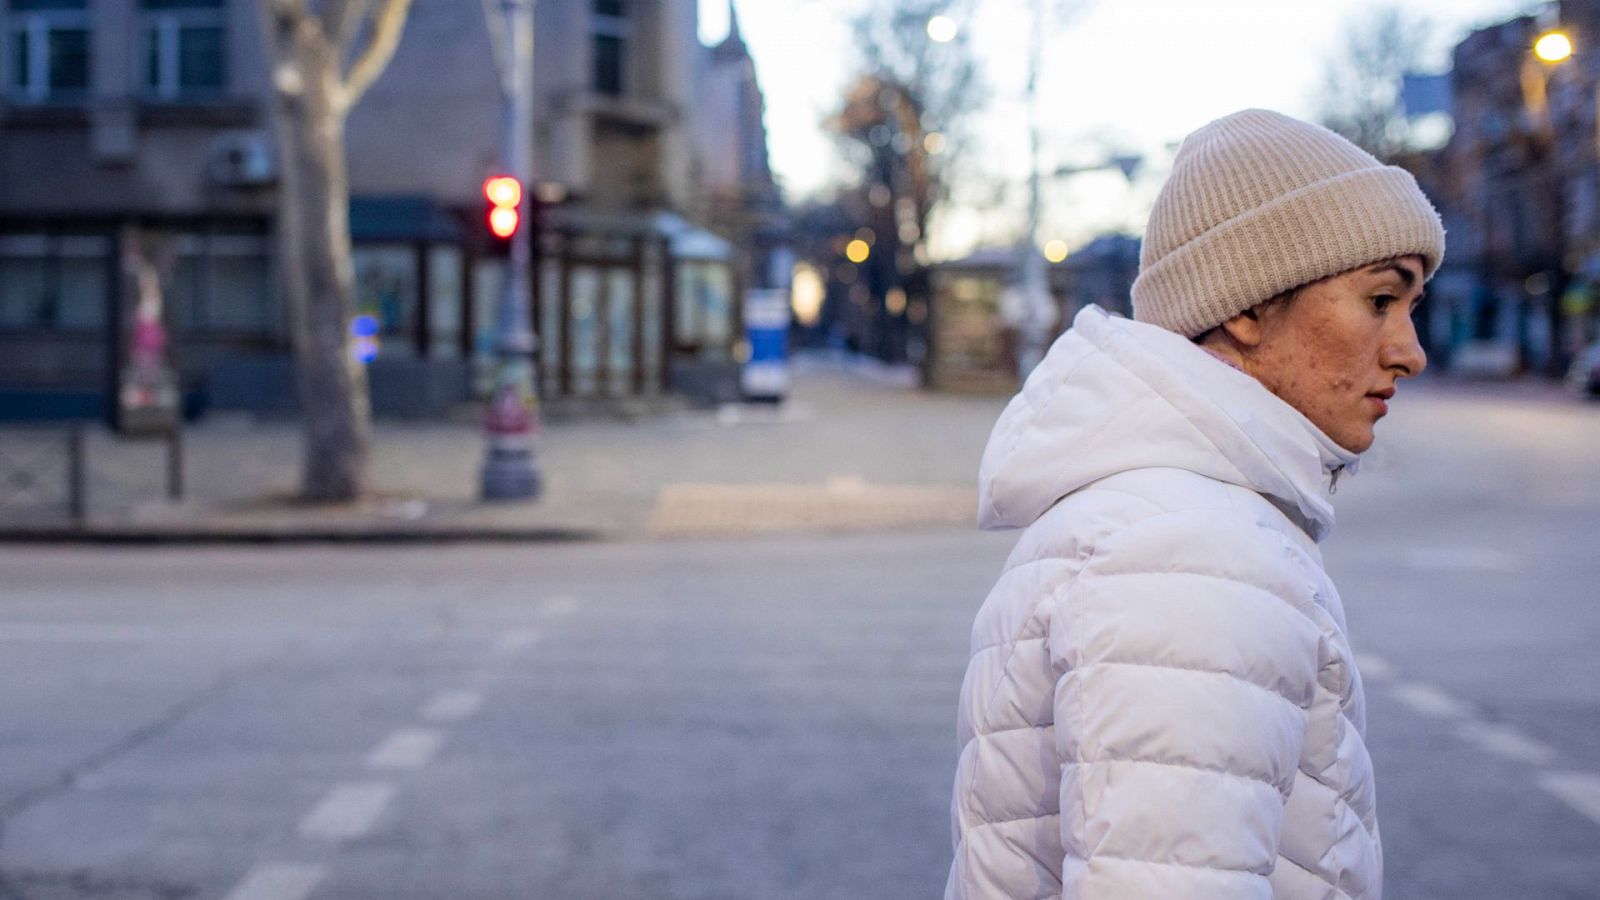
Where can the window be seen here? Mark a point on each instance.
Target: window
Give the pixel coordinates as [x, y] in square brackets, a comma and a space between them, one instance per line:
[49, 50]
[220, 283]
[184, 48]
[611, 30]
[54, 282]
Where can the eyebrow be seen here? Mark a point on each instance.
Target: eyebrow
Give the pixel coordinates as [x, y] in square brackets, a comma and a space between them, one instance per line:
[1406, 275]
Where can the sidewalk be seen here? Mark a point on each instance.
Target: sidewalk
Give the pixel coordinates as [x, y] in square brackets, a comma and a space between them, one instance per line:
[855, 447]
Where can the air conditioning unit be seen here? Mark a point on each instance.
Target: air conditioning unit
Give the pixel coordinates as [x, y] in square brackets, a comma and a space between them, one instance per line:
[244, 159]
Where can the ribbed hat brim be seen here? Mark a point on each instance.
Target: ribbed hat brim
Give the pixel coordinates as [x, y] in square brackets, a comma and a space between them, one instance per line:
[1323, 229]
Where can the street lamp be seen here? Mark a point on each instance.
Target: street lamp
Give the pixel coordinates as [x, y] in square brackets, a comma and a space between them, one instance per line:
[1553, 47]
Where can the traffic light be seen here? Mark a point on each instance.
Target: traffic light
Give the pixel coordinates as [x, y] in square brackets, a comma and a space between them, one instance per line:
[504, 194]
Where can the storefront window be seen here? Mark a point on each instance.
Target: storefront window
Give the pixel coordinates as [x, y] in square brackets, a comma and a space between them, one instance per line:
[444, 302]
[386, 289]
[54, 283]
[221, 283]
[705, 306]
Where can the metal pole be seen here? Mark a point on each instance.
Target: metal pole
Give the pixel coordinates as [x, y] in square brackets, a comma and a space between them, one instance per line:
[508, 469]
[77, 482]
[1038, 311]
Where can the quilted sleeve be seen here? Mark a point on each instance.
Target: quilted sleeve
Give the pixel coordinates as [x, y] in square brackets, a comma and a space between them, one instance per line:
[1184, 667]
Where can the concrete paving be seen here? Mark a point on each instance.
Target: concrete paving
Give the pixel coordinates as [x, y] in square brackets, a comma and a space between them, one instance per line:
[899, 451]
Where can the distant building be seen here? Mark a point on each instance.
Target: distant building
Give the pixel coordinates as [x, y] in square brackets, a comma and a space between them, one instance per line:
[125, 116]
[1520, 191]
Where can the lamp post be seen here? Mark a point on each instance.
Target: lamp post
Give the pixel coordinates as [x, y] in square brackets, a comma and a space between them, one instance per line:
[1551, 48]
[511, 420]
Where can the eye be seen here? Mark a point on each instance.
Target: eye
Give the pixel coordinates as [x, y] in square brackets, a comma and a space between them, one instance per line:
[1380, 302]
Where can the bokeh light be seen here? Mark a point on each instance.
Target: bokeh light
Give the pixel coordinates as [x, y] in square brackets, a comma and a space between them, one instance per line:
[1553, 47]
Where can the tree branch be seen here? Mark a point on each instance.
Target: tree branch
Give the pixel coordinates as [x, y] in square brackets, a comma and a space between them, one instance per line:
[387, 24]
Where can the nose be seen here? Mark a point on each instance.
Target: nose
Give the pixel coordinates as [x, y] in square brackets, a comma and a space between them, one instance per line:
[1402, 350]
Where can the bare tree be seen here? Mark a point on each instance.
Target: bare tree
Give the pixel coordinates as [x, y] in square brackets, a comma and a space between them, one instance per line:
[901, 124]
[1359, 96]
[324, 55]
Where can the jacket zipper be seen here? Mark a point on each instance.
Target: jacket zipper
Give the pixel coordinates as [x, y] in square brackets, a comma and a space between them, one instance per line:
[1333, 483]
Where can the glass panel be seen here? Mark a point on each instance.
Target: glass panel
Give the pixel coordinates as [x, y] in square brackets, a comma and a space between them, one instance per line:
[488, 277]
[716, 300]
[444, 302]
[240, 297]
[24, 299]
[686, 324]
[608, 64]
[549, 361]
[183, 292]
[650, 331]
[69, 58]
[585, 331]
[152, 58]
[82, 292]
[200, 57]
[619, 325]
[386, 289]
[19, 54]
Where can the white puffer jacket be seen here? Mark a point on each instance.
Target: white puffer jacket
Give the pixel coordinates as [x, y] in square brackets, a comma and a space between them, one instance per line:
[1161, 702]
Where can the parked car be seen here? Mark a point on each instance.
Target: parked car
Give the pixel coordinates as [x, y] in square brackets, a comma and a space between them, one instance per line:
[1583, 376]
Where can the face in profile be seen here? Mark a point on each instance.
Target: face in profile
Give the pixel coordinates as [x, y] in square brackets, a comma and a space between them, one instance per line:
[1336, 350]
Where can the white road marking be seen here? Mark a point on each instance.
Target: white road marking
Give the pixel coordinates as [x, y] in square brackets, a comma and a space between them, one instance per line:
[1429, 700]
[1461, 559]
[408, 748]
[517, 639]
[1375, 668]
[277, 881]
[452, 706]
[1579, 790]
[348, 811]
[1505, 741]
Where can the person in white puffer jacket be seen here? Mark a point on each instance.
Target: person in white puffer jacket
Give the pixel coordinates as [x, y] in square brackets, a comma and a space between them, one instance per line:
[1161, 700]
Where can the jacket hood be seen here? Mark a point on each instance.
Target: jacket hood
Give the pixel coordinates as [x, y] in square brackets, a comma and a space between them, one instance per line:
[1114, 395]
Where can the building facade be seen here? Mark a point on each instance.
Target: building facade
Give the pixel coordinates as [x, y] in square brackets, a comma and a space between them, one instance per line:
[1519, 186]
[145, 124]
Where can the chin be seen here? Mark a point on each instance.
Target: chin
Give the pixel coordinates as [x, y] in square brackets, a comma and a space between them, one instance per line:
[1356, 441]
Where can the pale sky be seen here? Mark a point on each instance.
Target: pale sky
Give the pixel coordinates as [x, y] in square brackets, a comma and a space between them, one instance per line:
[1118, 76]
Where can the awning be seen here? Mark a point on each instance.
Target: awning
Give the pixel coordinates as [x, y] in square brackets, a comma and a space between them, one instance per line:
[401, 219]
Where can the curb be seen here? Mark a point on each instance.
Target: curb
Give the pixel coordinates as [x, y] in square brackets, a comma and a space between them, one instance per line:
[286, 536]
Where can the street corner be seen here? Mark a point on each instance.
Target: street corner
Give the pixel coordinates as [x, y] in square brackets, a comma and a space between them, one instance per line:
[839, 504]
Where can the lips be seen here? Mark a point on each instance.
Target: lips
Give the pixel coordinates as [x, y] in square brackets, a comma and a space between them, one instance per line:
[1380, 401]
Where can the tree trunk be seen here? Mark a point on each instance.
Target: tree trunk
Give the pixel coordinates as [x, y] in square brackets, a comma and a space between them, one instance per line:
[314, 237]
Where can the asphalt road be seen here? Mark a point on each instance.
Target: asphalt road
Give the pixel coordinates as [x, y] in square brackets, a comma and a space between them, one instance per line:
[765, 718]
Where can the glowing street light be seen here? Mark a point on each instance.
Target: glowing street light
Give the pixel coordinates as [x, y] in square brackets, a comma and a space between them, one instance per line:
[1553, 47]
[857, 251]
[942, 29]
[1055, 251]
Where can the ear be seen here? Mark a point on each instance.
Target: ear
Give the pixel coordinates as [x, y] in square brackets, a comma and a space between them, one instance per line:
[1245, 328]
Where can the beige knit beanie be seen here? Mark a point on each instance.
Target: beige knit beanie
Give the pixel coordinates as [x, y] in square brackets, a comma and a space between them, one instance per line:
[1259, 204]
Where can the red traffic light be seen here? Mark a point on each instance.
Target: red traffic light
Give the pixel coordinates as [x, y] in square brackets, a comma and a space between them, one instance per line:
[504, 194]
[503, 191]
[503, 221]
